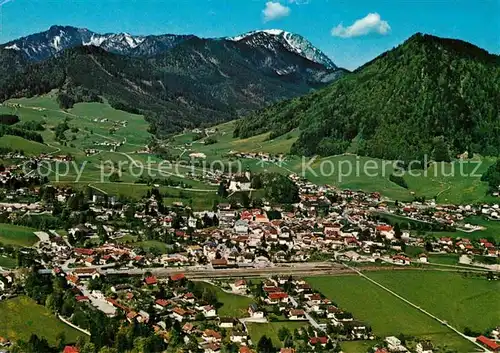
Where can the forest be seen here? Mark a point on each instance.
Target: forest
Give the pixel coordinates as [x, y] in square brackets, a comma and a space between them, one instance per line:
[429, 96]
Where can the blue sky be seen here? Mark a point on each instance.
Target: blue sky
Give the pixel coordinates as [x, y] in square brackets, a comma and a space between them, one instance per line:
[351, 32]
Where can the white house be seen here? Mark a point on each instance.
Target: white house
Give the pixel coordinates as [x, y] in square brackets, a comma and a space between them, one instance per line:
[238, 337]
[255, 312]
[394, 344]
[240, 182]
[241, 227]
[297, 314]
[423, 258]
[192, 222]
[209, 311]
[239, 286]
[226, 323]
[424, 347]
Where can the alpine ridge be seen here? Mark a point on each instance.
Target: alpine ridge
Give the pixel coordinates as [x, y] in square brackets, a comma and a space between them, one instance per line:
[175, 81]
[43, 45]
[293, 42]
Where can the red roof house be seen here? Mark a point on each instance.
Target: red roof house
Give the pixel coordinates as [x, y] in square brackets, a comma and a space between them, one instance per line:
[489, 343]
[70, 349]
[151, 280]
[177, 277]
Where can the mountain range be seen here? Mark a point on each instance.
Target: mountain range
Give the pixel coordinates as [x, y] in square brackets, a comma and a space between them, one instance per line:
[429, 96]
[176, 81]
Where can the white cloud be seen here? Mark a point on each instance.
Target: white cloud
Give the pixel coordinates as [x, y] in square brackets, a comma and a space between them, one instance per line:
[275, 10]
[371, 23]
[299, 2]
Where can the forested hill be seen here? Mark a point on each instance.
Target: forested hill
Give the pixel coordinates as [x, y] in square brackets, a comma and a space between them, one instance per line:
[426, 96]
[197, 81]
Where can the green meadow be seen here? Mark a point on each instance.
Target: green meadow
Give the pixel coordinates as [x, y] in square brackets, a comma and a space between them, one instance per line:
[94, 124]
[457, 182]
[462, 301]
[389, 315]
[232, 305]
[271, 329]
[17, 235]
[7, 262]
[22, 317]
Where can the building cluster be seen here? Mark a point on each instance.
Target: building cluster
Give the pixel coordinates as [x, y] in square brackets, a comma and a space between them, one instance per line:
[324, 225]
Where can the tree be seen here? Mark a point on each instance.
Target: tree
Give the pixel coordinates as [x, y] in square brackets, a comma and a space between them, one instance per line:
[441, 153]
[245, 199]
[288, 342]
[209, 296]
[492, 176]
[283, 333]
[115, 177]
[60, 340]
[207, 220]
[279, 188]
[265, 345]
[130, 213]
[50, 303]
[36, 345]
[222, 191]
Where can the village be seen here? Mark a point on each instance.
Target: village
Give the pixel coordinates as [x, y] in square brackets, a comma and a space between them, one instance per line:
[107, 259]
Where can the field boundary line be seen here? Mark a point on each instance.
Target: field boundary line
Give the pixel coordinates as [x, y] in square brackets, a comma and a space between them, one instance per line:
[73, 325]
[443, 322]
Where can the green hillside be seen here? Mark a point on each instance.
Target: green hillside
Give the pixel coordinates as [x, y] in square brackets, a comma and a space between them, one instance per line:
[17, 143]
[198, 81]
[427, 96]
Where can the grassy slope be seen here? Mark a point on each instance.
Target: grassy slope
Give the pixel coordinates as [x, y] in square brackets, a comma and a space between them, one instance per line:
[17, 235]
[452, 189]
[22, 317]
[30, 148]
[84, 116]
[386, 314]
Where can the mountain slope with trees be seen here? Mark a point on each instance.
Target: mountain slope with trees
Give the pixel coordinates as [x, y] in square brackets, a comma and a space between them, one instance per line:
[430, 95]
[197, 81]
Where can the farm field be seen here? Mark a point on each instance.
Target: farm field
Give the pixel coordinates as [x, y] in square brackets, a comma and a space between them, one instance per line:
[22, 317]
[492, 228]
[17, 235]
[386, 314]
[198, 200]
[270, 329]
[472, 303]
[445, 259]
[233, 305]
